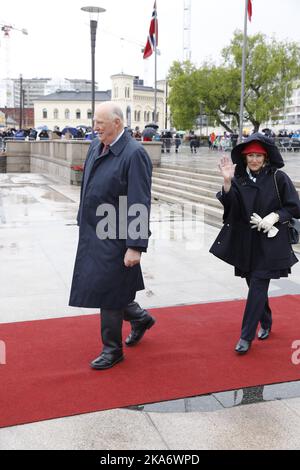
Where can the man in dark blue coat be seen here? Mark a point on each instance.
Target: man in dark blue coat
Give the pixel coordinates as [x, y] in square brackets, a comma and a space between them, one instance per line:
[113, 218]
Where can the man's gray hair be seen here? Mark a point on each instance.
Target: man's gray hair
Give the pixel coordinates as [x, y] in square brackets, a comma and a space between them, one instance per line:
[117, 113]
[111, 110]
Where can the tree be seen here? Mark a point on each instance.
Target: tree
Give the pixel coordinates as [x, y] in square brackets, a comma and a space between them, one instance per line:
[183, 97]
[219, 91]
[271, 69]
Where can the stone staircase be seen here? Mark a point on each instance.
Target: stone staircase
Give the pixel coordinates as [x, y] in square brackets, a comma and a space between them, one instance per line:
[181, 184]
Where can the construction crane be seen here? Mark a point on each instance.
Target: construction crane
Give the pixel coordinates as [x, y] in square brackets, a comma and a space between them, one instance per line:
[187, 27]
[6, 28]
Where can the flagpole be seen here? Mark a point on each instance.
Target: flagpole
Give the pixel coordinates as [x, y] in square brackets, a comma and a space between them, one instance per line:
[155, 68]
[243, 73]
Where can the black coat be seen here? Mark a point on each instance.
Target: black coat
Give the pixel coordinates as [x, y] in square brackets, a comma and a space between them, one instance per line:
[100, 277]
[239, 245]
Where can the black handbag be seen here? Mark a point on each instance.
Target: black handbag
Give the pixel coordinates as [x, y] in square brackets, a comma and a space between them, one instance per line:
[293, 224]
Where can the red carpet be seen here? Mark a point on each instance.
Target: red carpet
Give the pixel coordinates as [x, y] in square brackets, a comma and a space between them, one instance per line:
[188, 352]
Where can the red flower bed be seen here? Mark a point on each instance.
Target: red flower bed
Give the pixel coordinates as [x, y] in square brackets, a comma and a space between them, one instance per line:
[77, 168]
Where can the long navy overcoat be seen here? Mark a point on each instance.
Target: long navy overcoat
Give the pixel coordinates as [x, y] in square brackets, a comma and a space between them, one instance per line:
[100, 277]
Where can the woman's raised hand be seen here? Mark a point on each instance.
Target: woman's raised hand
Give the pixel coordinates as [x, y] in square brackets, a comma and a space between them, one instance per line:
[227, 168]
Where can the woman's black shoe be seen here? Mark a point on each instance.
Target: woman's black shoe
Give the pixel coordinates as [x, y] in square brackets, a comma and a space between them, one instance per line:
[242, 346]
[263, 333]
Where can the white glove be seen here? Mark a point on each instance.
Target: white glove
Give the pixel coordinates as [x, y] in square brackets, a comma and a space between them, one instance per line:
[256, 221]
[267, 222]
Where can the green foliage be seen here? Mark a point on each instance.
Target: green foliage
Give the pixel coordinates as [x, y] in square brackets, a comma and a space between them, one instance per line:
[271, 69]
[183, 95]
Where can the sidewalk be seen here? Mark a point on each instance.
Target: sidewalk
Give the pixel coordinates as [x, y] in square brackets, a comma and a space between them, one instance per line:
[38, 245]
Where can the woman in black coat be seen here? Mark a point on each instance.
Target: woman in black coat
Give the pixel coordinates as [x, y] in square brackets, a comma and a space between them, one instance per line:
[255, 235]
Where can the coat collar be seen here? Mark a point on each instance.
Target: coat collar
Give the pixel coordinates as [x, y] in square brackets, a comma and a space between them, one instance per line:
[118, 147]
[115, 149]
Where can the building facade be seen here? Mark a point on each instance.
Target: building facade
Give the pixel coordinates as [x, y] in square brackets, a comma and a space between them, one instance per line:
[291, 115]
[12, 117]
[34, 88]
[66, 108]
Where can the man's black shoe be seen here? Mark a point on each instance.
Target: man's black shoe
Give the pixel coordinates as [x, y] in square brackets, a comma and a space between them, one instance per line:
[243, 346]
[138, 331]
[263, 333]
[106, 361]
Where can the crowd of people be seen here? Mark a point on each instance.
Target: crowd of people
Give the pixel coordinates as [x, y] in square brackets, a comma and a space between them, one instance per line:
[169, 138]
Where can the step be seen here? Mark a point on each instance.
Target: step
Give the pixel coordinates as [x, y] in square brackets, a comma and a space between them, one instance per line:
[190, 196]
[193, 188]
[212, 215]
[196, 169]
[188, 173]
[208, 176]
[201, 181]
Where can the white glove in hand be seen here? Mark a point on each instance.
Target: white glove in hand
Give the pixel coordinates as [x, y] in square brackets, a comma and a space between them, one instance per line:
[267, 222]
[256, 220]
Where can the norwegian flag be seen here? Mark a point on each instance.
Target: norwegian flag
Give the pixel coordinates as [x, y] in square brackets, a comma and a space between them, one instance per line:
[249, 9]
[152, 40]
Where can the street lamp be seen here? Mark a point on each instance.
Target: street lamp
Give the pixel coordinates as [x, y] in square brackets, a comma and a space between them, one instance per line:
[94, 14]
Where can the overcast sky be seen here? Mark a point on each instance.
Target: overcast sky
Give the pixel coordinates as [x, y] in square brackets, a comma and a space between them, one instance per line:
[58, 44]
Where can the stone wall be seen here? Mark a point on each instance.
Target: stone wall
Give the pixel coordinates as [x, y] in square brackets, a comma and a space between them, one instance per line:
[2, 163]
[56, 157]
[18, 157]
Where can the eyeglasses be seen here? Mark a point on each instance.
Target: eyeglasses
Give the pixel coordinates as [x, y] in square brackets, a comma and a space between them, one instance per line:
[255, 156]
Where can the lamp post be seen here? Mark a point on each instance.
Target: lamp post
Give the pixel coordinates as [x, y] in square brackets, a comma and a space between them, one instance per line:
[94, 14]
[284, 112]
[21, 103]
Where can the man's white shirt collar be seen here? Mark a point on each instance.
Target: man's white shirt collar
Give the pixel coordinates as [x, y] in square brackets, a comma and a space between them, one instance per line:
[118, 138]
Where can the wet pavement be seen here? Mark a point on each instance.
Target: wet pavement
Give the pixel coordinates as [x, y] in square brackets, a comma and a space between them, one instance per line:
[38, 241]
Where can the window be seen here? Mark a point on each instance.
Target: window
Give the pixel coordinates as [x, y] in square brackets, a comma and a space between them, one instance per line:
[128, 116]
[55, 114]
[153, 117]
[89, 114]
[45, 113]
[127, 92]
[67, 114]
[116, 92]
[78, 114]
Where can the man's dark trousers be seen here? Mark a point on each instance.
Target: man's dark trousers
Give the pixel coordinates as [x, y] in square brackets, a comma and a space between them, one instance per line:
[111, 325]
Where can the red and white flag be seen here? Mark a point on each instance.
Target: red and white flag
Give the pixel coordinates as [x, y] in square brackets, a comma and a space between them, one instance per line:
[152, 40]
[249, 9]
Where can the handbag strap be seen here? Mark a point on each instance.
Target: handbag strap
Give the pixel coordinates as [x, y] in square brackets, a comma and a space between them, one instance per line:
[277, 190]
[289, 222]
